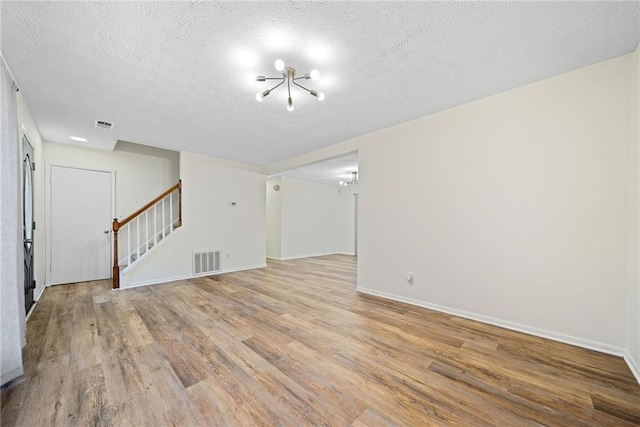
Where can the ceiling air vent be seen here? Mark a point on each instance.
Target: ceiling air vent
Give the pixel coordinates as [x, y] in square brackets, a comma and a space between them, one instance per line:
[103, 124]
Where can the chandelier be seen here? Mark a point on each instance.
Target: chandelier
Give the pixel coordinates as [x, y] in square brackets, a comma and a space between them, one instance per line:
[354, 179]
[289, 76]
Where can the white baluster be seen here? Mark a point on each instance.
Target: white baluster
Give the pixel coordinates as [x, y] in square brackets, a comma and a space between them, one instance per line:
[155, 224]
[146, 230]
[171, 212]
[129, 244]
[137, 238]
[164, 229]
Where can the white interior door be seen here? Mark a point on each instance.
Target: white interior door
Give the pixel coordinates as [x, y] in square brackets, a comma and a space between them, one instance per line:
[80, 224]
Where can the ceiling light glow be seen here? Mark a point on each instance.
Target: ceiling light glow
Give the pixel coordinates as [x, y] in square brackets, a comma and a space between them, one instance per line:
[317, 52]
[277, 40]
[79, 139]
[246, 58]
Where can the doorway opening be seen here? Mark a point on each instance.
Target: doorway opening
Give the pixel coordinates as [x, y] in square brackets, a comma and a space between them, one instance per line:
[313, 210]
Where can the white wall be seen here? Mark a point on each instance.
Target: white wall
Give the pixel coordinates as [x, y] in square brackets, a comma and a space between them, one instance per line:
[309, 219]
[306, 219]
[633, 291]
[209, 222]
[274, 218]
[140, 176]
[28, 126]
[513, 208]
[347, 220]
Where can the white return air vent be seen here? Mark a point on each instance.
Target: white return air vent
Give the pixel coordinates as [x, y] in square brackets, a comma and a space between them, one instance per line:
[206, 262]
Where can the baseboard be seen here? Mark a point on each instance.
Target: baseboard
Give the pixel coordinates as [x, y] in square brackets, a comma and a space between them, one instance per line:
[635, 370]
[542, 333]
[289, 258]
[40, 294]
[310, 256]
[33, 306]
[189, 276]
[35, 302]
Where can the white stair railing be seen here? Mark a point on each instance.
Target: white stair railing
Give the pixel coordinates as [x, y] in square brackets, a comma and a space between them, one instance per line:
[140, 232]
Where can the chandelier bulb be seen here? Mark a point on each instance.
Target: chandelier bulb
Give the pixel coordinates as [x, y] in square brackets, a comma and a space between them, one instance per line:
[321, 96]
[279, 64]
[290, 106]
[314, 74]
[261, 95]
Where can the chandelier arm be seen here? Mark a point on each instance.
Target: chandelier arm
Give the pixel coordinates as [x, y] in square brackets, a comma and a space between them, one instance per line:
[300, 86]
[277, 85]
[274, 78]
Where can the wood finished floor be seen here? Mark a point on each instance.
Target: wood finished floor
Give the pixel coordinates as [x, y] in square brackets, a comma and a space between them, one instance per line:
[294, 344]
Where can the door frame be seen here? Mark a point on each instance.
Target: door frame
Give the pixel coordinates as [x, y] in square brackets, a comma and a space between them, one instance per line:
[48, 166]
[24, 135]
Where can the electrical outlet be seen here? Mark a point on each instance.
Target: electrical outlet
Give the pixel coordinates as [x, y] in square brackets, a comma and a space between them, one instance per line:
[409, 277]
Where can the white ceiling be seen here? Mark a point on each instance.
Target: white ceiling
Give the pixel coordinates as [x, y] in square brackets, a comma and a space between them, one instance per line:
[180, 75]
[328, 172]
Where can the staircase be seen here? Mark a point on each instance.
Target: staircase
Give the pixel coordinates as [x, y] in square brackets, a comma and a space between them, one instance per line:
[138, 234]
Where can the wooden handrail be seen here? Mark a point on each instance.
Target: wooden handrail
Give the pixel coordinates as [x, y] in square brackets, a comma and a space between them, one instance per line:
[137, 213]
[119, 224]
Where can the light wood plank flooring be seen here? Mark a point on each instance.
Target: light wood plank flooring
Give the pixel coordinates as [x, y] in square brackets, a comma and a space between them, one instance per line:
[294, 344]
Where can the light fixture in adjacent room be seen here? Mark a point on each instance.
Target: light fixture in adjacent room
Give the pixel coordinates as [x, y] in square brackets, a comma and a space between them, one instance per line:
[354, 179]
[78, 139]
[289, 76]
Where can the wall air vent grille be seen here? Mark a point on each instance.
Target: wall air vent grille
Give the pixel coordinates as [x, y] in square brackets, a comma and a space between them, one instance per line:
[206, 262]
[103, 124]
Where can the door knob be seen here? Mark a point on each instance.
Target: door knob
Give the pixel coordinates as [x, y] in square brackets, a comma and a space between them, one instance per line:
[106, 231]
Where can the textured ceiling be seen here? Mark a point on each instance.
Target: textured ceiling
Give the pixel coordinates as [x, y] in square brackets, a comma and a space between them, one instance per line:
[180, 75]
[328, 172]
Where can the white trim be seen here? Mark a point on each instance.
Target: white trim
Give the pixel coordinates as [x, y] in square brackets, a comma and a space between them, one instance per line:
[306, 256]
[310, 256]
[635, 370]
[188, 276]
[40, 294]
[518, 327]
[47, 208]
[33, 306]
[23, 134]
